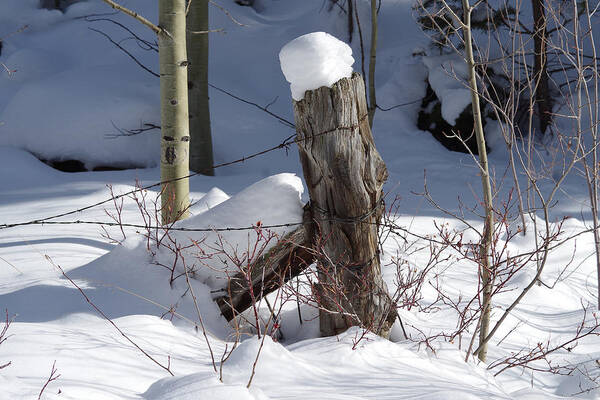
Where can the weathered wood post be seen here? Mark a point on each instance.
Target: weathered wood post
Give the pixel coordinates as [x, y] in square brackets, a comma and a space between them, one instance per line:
[345, 175]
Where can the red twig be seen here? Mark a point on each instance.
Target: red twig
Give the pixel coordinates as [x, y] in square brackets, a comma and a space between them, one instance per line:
[99, 311]
[53, 376]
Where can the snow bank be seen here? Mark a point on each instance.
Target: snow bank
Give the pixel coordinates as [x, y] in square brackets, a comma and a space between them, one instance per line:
[273, 200]
[314, 60]
[448, 76]
[64, 129]
[72, 88]
[329, 368]
[14, 14]
[20, 170]
[200, 386]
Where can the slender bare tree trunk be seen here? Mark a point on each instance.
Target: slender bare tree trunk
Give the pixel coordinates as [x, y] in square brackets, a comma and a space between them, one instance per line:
[350, 12]
[201, 151]
[372, 59]
[540, 72]
[175, 138]
[591, 166]
[487, 239]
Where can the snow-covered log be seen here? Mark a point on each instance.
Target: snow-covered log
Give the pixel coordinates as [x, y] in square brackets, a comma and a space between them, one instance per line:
[284, 261]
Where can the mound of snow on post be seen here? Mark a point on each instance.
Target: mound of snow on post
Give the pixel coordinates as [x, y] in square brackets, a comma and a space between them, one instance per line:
[314, 60]
[448, 78]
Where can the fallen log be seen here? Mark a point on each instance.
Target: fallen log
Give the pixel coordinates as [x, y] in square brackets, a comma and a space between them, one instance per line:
[286, 260]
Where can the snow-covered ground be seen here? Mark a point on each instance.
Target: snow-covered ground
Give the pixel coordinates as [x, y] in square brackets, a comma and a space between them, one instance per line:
[72, 89]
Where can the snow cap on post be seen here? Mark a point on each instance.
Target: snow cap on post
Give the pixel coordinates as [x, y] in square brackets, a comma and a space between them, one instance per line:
[314, 60]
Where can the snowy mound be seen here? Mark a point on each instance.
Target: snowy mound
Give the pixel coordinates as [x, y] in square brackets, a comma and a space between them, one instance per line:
[72, 90]
[200, 386]
[272, 201]
[448, 78]
[314, 60]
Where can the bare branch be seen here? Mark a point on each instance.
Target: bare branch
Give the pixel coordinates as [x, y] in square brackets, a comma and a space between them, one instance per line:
[53, 376]
[265, 109]
[226, 12]
[158, 30]
[138, 62]
[99, 311]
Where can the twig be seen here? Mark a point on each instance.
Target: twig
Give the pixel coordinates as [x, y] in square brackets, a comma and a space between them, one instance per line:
[8, 70]
[265, 109]
[13, 266]
[131, 132]
[189, 284]
[21, 29]
[150, 45]
[3, 337]
[126, 52]
[97, 15]
[99, 311]
[398, 105]
[224, 10]
[53, 376]
[158, 30]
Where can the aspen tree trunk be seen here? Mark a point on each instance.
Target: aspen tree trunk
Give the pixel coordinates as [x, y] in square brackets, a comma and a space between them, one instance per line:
[201, 151]
[540, 72]
[174, 158]
[372, 59]
[350, 12]
[174, 145]
[488, 231]
[344, 174]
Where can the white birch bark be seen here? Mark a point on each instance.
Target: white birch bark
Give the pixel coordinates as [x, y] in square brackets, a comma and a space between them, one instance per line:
[174, 159]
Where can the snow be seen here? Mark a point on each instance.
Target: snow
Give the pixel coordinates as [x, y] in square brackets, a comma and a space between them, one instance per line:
[298, 376]
[74, 141]
[314, 60]
[72, 85]
[50, 105]
[200, 385]
[272, 201]
[448, 76]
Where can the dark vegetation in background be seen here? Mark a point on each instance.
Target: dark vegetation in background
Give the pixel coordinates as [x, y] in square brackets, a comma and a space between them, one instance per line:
[430, 119]
[460, 137]
[57, 4]
[78, 166]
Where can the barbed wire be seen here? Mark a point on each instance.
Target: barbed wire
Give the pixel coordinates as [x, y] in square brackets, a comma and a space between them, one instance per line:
[283, 145]
[357, 220]
[165, 227]
[171, 227]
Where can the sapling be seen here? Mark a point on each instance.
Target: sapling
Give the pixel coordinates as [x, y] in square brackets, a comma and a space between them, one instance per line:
[171, 32]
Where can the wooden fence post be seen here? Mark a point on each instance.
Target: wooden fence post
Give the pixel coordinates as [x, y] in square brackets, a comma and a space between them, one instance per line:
[345, 175]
